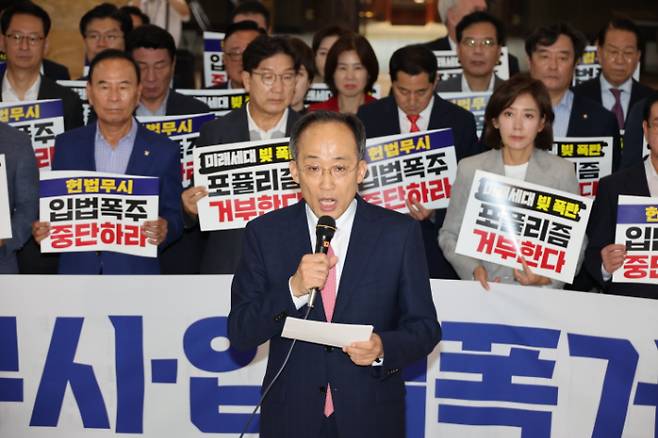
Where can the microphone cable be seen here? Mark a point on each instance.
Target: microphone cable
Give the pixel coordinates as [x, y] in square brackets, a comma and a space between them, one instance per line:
[276, 376]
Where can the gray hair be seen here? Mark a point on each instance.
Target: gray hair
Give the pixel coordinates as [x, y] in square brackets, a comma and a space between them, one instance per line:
[312, 118]
[444, 6]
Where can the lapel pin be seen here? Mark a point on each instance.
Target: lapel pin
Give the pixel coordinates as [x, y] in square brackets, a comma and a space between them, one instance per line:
[147, 153]
[585, 116]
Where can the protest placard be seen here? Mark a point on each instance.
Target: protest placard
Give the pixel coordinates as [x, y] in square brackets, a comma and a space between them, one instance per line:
[506, 219]
[637, 230]
[592, 158]
[214, 72]
[184, 130]
[420, 165]
[93, 211]
[41, 120]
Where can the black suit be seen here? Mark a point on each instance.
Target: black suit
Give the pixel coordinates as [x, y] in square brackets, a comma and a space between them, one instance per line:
[444, 44]
[592, 90]
[381, 118]
[634, 149]
[184, 255]
[602, 224]
[55, 71]
[591, 119]
[223, 248]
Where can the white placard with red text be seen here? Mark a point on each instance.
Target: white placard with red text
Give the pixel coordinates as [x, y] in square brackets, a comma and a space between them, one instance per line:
[41, 120]
[591, 156]
[637, 230]
[506, 219]
[94, 211]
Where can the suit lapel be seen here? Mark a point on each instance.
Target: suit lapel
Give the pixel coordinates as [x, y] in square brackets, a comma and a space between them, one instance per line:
[88, 152]
[436, 118]
[365, 231]
[637, 183]
[293, 116]
[141, 156]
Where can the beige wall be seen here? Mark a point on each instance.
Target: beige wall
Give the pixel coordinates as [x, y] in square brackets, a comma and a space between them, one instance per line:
[65, 42]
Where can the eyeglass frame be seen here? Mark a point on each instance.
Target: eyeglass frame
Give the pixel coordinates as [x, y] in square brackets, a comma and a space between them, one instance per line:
[17, 38]
[109, 36]
[268, 83]
[471, 43]
[319, 171]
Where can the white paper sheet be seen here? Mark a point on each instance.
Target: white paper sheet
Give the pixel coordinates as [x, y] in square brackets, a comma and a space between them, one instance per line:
[325, 333]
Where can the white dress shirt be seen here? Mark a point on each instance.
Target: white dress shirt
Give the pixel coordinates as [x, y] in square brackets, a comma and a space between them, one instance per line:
[562, 115]
[10, 95]
[423, 121]
[467, 89]
[608, 99]
[277, 131]
[339, 244]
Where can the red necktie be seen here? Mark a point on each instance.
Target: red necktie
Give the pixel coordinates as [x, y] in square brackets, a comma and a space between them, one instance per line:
[413, 120]
[616, 108]
[329, 301]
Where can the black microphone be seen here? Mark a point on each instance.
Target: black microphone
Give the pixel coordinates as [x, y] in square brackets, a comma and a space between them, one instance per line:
[324, 232]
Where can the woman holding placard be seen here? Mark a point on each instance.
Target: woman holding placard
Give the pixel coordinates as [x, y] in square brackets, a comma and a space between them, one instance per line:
[518, 129]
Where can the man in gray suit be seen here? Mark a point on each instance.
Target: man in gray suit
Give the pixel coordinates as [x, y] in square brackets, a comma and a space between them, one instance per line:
[480, 37]
[269, 75]
[23, 185]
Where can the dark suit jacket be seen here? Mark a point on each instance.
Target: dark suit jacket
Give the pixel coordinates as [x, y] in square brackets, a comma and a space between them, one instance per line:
[384, 282]
[180, 104]
[602, 224]
[74, 150]
[55, 71]
[444, 44]
[70, 101]
[591, 119]
[23, 188]
[223, 248]
[592, 90]
[634, 149]
[381, 118]
[184, 255]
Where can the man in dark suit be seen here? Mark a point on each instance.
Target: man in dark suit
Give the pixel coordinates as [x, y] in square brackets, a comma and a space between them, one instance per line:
[103, 27]
[23, 190]
[236, 39]
[480, 36]
[451, 13]
[413, 74]
[116, 143]
[619, 51]
[154, 50]
[603, 257]
[375, 273]
[270, 69]
[552, 54]
[25, 28]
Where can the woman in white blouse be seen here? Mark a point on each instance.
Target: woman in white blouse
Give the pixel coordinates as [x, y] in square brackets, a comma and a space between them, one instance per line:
[518, 129]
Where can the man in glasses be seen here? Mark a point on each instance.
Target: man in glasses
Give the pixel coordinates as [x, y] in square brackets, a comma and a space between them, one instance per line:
[25, 28]
[480, 37]
[236, 39]
[619, 51]
[269, 75]
[104, 27]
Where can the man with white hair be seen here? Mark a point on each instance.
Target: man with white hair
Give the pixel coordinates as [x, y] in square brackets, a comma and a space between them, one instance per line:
[451, 13]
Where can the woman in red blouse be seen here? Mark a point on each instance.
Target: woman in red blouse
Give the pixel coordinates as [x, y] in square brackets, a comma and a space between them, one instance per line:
[350, 71]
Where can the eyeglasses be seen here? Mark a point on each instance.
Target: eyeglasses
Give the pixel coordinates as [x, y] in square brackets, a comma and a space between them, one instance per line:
[235, 55]
[337, 171]
[268, 77]
[624, 55]
[17, 38]
[486, 42]
[109, 37]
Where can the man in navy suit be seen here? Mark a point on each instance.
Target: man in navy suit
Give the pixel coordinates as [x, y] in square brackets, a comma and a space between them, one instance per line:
[270, 71]
[553, 52]
[116, 143]
[603, 257]
[619, 48]
[375, 274]
[413, 75]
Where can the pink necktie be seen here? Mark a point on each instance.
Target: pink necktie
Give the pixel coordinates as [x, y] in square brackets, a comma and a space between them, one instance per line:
[617, 108]
[413, 120]
[329, 301]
